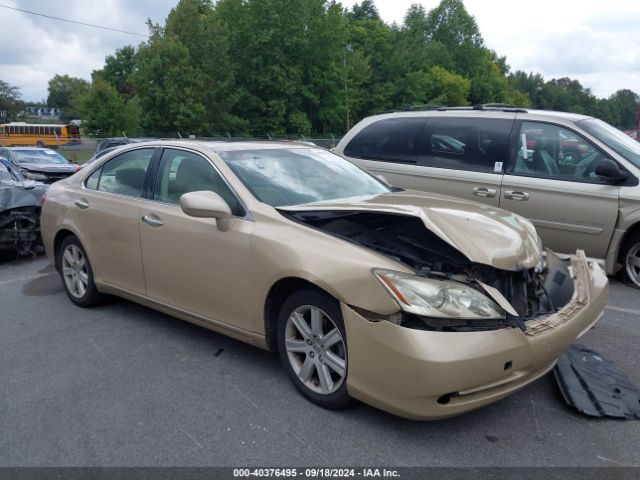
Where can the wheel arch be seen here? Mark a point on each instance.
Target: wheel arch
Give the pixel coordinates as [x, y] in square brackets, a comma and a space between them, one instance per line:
[278, 293]
[631, 231]
[57, 242]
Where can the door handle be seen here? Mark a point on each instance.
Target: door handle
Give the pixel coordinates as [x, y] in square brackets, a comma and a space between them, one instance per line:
[152, 221]
[484, 192]
[520, 196]
[81, 204]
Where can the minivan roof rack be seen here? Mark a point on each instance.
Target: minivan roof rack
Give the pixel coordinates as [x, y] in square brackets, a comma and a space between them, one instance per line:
[502, 107]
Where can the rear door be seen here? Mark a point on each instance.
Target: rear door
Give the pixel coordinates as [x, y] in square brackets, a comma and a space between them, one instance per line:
[551, 181]
[107, 213]
[389, 147]
[464, 156]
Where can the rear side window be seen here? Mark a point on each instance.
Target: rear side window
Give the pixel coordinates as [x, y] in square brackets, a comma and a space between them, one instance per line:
[123, 174]
[392, 140]
[475, 144]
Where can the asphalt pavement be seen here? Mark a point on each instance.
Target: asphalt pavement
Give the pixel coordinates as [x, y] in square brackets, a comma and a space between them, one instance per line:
[123, 385]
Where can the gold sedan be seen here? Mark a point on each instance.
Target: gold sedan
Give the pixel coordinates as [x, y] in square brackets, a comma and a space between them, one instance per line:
[419, 304]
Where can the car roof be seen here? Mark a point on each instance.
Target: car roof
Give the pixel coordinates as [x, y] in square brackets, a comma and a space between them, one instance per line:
[484, 112]
[566, 115]
[32, 148]
[224, 146]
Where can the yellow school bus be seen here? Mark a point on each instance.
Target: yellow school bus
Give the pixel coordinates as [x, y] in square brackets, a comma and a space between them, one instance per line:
[38, 135]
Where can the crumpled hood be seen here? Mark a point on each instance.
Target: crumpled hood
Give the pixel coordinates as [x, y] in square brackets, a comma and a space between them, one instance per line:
[48, 168]
[482, 233]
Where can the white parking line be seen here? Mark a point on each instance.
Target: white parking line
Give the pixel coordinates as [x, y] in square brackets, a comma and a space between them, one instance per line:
[623, 310]
[25, 278]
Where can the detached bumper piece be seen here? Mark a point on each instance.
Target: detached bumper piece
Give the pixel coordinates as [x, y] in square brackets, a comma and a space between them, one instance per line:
[596, 386]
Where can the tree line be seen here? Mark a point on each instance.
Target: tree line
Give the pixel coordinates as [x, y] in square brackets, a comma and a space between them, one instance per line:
[257, 67]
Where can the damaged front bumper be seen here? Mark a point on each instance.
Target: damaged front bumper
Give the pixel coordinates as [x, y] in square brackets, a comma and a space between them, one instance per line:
[426, 375]
[20, 230]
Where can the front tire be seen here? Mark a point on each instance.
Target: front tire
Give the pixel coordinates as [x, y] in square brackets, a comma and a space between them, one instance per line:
[76, 273]
[630, 259]
[313, 348]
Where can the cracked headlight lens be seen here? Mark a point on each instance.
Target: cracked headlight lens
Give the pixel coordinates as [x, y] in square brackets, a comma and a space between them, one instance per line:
[437, 298]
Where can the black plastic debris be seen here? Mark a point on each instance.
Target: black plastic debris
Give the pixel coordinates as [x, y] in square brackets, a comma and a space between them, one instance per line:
[596, 386]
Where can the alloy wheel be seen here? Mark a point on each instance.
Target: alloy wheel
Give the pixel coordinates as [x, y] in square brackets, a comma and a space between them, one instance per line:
[315, 349]
[75, 271]
[632, 264]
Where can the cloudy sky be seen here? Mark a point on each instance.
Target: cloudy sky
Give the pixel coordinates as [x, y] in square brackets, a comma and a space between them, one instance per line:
[595, 41]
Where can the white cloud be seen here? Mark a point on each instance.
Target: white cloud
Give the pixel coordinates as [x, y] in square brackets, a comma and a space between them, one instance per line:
[591, 40]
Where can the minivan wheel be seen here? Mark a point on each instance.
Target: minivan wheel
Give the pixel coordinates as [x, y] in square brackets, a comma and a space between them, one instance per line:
[630, 272]
[313, 348]
[76, 273]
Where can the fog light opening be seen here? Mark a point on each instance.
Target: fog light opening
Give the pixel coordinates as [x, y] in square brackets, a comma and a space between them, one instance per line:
[508, 365]
[444, 399]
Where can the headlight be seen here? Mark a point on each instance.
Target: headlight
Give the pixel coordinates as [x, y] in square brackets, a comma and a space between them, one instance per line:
[437, 298]
[34, 176]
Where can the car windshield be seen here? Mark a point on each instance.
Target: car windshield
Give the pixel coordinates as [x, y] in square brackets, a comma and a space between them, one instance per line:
[39, 156]
[293, 176]
[616, 140]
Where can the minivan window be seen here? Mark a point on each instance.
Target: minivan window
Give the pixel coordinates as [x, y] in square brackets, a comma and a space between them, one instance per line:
[393, 139]
[476, 144]
[551, 151]
[613, 138]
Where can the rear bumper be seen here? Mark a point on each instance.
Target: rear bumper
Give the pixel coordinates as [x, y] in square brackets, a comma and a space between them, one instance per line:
[429, 375]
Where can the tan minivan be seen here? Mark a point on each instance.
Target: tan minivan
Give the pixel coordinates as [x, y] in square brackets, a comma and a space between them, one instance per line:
[575, 177]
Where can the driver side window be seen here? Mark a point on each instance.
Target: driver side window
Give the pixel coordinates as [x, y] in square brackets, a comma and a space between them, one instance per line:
[182, 172]
[550, 151]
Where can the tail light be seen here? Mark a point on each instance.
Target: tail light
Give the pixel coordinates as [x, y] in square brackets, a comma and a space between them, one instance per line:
[43, 199]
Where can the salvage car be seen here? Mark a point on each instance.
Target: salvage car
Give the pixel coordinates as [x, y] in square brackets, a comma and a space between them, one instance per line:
[575, 177]
[20, 203]
[419, 304]
[39, 164]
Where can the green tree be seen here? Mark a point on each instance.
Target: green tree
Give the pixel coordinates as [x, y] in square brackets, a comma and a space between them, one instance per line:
[104, 111]
[10, 103]
[64, 92]
[118, 68]
[625, 104]
[170, 89]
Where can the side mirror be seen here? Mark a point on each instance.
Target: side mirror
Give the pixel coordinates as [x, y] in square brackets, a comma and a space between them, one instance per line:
[607, 168]
[207, 204]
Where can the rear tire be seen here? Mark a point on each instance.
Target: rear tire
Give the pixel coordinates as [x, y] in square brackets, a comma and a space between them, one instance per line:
[77, 274]
[313, 348]
[40, 145]
[630, 259]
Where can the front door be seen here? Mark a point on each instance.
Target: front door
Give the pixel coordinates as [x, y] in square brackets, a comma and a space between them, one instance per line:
[551, 181]
[188, 262]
